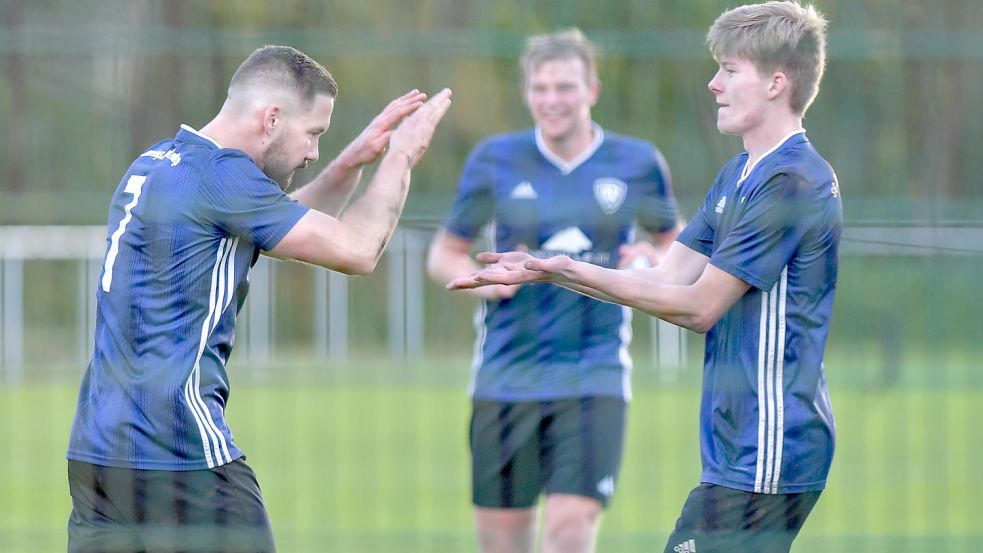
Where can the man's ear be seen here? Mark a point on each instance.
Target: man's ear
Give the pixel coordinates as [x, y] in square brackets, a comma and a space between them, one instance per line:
[271, 118]
[595, 91]
[777, 85]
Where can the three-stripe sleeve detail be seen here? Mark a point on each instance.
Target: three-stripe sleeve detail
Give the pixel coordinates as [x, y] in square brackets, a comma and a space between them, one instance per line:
[215, 447]
[771, 388]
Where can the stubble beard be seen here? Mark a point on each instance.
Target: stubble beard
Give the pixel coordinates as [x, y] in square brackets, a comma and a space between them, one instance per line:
[277, 166]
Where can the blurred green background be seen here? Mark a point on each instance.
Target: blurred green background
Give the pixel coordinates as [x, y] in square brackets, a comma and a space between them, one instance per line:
[366, 452]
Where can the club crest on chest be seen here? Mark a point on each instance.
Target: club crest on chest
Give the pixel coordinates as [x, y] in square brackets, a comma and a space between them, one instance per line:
[610, 194]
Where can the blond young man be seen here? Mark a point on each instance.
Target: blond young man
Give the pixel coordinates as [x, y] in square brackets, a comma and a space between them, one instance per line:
[755, 270]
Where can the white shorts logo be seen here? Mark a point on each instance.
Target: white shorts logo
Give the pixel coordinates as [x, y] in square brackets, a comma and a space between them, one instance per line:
[688, 546]
[610, 194]
[606, 486]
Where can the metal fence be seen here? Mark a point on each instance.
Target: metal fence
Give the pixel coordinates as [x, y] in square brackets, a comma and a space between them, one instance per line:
[328, 308]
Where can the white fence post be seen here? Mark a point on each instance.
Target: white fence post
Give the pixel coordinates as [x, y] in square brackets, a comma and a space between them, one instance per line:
[13, 320]
[396, 304]
[416, 246]
[259, 313]
[668, 343]
[338, 316]
[330, 315]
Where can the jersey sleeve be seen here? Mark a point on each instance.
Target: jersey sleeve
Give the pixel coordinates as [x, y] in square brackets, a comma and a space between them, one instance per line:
[657, 210]
[698, 234]
[771, 228]
[241, 200]
[475, 202]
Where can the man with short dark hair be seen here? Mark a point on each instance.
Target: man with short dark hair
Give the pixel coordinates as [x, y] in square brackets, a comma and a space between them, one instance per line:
[152, 463]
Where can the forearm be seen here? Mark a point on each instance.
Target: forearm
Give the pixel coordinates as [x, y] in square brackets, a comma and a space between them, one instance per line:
[331, 190]
[372, 219]
[444, 266]
[641, 289]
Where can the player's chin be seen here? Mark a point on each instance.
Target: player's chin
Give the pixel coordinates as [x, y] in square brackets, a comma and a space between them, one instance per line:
[555, 131]
[285, 181]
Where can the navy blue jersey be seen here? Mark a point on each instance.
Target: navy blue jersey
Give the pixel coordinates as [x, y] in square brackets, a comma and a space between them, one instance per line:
[185, 225]
[548, 342]
[766, 425]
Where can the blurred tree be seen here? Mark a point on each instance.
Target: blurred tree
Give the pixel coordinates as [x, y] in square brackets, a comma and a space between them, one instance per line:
[18, 108]
[86, 85]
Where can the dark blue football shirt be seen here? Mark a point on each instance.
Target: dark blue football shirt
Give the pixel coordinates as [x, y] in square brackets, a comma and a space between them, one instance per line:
[548, 342]
[766, 424]
[186, 223]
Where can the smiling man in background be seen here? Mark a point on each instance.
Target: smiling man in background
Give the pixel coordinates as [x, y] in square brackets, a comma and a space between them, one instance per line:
[551, 379]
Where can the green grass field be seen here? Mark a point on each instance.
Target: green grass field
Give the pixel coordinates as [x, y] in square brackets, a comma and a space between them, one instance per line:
[374, 459]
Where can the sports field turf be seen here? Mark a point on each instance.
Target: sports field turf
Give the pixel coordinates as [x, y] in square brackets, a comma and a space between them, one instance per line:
[373, 458]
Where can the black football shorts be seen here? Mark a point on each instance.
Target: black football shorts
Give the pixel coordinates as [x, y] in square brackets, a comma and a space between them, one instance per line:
[522, 449]
[118, 510]
[716, 519]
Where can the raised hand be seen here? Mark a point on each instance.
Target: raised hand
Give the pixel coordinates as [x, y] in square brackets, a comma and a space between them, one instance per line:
[413, 135]
[370, 144]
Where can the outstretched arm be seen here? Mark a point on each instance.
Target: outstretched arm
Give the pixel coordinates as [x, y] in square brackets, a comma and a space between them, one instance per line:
[683, 289]
[354, 242]
[649, 252]
[449, 258]
[331, 189]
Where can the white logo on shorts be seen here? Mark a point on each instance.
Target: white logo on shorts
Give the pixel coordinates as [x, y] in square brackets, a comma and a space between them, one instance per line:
[606, 486]
[688, 546]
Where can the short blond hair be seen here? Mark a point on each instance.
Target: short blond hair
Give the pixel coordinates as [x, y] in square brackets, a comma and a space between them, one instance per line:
[565, 44]
[776, 36]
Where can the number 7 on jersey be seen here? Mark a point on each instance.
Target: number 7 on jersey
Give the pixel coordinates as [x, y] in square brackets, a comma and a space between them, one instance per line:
[133, 186]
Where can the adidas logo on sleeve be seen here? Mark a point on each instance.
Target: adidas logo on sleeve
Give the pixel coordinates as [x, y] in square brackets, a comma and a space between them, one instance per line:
[721, 205]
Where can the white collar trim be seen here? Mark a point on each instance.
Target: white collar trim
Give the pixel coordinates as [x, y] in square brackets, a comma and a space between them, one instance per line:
[567, 167]
[750, 167]
[196, 132]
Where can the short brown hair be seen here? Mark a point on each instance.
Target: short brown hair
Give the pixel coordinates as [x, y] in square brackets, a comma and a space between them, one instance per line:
[568, 43]
[283, 66]
[775, 36]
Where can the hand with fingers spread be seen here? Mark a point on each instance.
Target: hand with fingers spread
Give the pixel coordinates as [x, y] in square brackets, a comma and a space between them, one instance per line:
[413, 135]
[374, 139]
